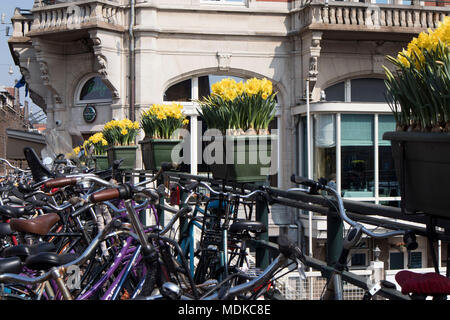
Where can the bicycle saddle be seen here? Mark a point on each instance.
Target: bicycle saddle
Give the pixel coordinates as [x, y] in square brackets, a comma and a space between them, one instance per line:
[38, 170]
[24, 251]
[10, 265]
[40, 225]
[12, 212]
[246, 225]
[48, 260]
[423, 284]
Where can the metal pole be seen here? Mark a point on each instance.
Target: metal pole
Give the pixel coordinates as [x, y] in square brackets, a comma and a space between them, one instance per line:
[309, 165]
[132, 60]
[262, 215]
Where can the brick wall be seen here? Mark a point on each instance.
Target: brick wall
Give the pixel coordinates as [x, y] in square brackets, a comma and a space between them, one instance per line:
[11, 117]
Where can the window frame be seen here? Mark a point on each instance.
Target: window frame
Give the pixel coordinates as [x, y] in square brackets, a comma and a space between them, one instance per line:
[80, 87]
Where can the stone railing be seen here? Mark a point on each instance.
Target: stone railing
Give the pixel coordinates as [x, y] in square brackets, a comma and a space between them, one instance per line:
[348, 15]
[75, 14]
[21, 23]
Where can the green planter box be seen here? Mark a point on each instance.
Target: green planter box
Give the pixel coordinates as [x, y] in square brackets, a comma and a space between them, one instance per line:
[101, 162]
[422, 165]
[156, 151]
[127, 153]
[243, 162]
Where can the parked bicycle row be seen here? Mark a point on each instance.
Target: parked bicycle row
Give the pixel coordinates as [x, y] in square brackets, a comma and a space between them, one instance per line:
[76, 234]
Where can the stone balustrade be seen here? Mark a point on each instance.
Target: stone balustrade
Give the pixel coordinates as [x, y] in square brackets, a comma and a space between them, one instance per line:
[75, 14]
[348, 15]
[21, 23]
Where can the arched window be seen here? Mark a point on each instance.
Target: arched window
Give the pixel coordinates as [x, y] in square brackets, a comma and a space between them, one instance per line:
[183, 91]
[94, 90]
[357, 90]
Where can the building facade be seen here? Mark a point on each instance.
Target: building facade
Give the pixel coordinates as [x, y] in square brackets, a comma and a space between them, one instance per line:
[325, 59]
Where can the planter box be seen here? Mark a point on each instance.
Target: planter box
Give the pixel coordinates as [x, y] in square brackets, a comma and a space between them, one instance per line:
[127, 153]
[101, 162]
[156, 151]
[422, 165]
[244, 162]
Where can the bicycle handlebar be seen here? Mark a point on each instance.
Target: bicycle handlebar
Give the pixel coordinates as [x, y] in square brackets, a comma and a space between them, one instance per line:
[341, 210]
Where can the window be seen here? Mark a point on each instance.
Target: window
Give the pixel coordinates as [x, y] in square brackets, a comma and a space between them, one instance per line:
[396, 261]
[357, 90]
[325, 146]
[359, 259]
[94, 90]
[335, 92]
[415, 260]
[357, 155]
[367, 90]
[388, 185]
[179, 92]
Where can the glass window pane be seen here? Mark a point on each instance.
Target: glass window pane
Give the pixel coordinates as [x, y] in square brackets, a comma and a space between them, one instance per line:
[358, 259]
[95, 89]
[357, 155]
[179, 92]
[325, 146]
[357, 130]
[368, 90]
[396, 260]
[388, 184]
[335, 92]
[415, 259]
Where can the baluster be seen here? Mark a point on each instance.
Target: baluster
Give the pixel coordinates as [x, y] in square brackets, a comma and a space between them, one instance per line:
[382, 17]
[332, 15]
[409, 21]
[347, 16]
[416, 19]
[423, 19]
[389, 18]
[325, 17]
[353, 19]
[360, 16]
[396, 18]
[430, 20]
[339, 15]
[403, 18]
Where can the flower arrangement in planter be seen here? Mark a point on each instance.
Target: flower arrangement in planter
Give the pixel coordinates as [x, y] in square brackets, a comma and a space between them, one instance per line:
[418, 92]
[98, 144]
[160, 123]
[242, 112]
[120, 136]
[419, 89]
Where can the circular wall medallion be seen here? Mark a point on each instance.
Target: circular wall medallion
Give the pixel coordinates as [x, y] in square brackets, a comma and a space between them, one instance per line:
[89, 113]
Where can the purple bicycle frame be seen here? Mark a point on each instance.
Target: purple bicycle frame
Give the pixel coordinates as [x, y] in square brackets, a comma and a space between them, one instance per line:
[124, 252]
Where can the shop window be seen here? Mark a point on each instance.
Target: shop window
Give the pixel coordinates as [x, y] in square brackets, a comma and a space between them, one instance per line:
[325, 146]
[357, 163]
[95, 90]
[388, 184]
